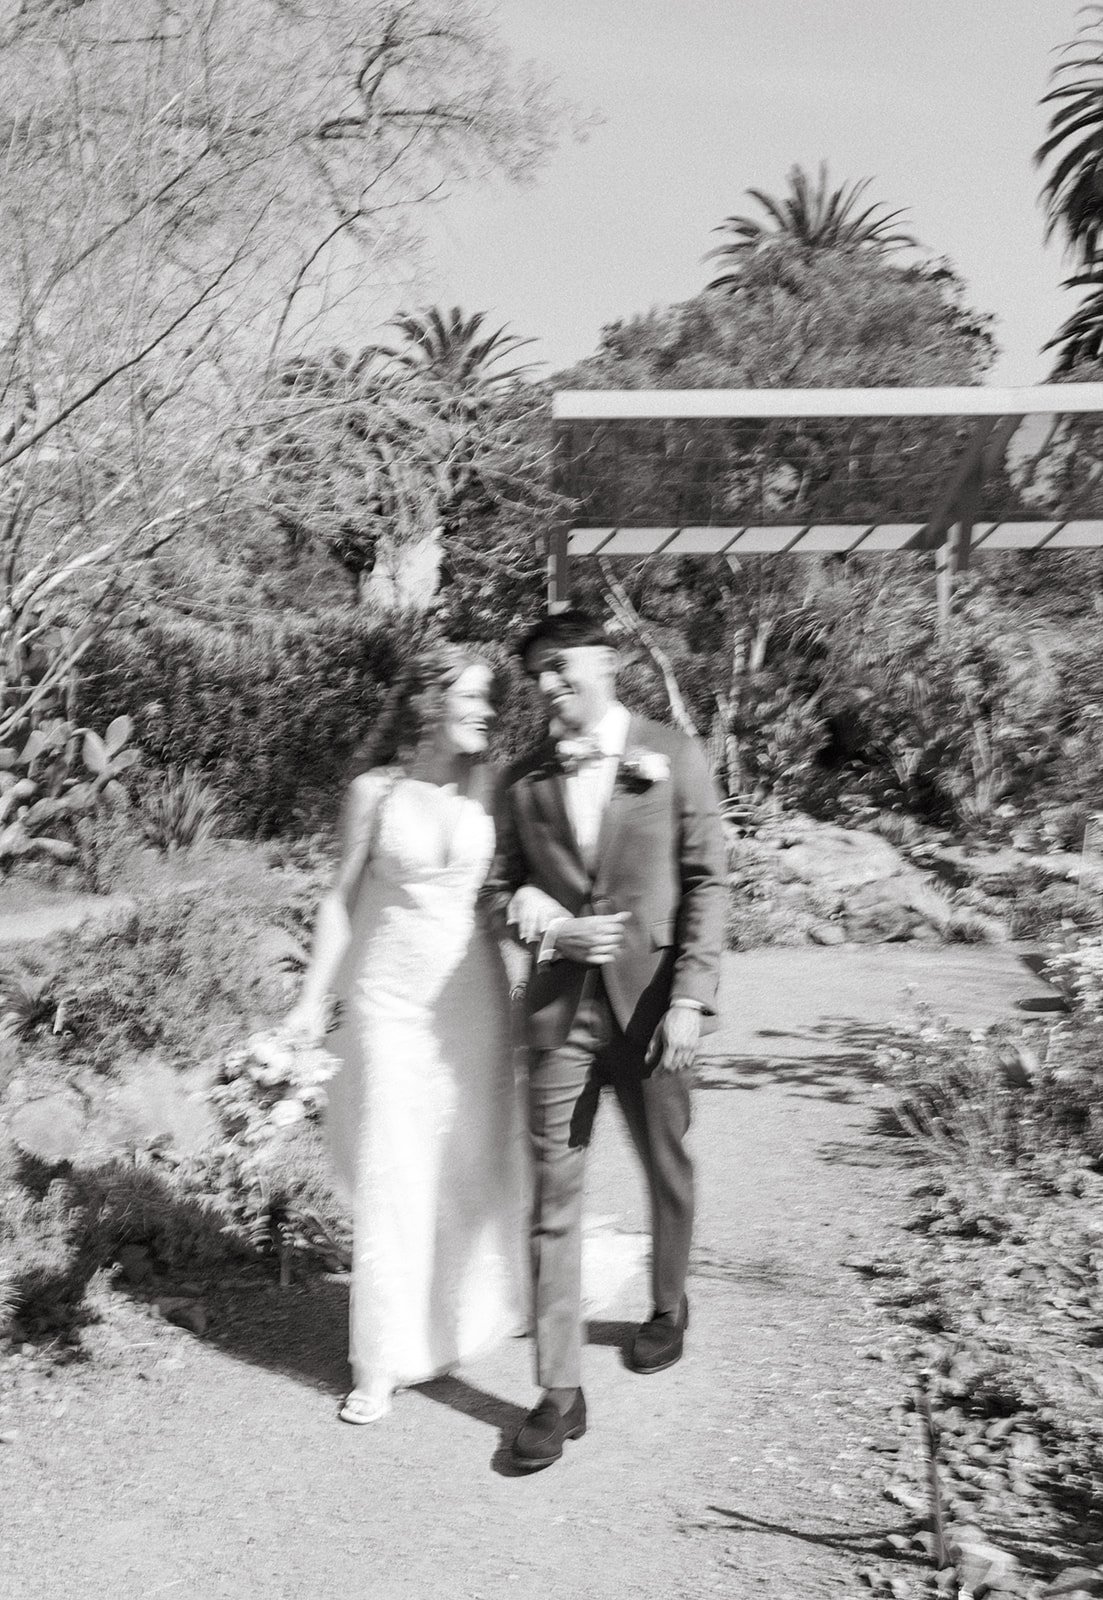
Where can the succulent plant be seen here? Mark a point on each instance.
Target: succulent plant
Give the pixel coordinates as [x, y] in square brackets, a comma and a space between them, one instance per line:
[40, 788]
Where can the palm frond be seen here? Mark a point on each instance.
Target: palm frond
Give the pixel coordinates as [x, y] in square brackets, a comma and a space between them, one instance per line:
[1080, 337]
[455, 349]
[1073, 147]
[812, 216]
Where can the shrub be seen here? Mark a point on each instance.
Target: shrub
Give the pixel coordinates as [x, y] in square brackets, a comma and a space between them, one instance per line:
[1001, 1096]
[194, 964]
[178, 810]
[53, 1244]
[273, 718]
[43, 795]
[270, 715]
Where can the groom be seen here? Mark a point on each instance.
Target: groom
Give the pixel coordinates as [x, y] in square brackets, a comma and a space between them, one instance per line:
[610, 867]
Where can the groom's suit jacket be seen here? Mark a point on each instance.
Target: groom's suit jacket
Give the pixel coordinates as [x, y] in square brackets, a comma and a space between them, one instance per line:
[660, 857]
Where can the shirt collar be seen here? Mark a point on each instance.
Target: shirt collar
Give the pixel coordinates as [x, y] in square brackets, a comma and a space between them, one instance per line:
[612, 731]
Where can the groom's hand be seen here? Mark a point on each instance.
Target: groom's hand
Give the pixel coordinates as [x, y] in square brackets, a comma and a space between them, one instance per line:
[675, 1042]
[531, 912]
[593, 941]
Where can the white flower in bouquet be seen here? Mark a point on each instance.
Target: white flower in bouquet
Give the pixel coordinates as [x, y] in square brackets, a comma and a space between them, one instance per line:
[267, 1086]
[286, 1112]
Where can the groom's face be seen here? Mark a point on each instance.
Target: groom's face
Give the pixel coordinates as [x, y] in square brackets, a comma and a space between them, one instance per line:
[577, 684]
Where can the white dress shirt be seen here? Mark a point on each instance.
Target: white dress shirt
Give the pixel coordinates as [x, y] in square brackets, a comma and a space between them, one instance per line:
[589, 789]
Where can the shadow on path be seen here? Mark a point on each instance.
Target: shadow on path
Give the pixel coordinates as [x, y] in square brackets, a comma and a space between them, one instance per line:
[841, 1058]
[302, 1333]
[856, 1541]
[463, 1397]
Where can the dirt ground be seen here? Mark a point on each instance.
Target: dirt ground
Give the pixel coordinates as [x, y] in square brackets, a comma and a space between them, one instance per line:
[215, 1466]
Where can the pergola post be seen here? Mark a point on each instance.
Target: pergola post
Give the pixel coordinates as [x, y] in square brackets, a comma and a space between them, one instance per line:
[559, 536]
[946, 567]
[559, 562]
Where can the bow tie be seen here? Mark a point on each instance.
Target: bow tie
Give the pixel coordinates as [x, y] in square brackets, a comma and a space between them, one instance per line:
[575, 753]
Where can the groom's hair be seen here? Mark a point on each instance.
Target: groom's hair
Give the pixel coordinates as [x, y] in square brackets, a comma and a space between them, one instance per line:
[568, 630]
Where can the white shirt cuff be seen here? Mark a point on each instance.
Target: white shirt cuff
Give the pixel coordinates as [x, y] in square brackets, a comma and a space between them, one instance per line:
[546, 951]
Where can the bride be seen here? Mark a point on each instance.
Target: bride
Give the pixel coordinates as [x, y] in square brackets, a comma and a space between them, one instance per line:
[423, 1115]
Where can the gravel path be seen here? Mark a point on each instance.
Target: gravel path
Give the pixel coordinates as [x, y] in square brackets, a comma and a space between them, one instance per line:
[215, 1467]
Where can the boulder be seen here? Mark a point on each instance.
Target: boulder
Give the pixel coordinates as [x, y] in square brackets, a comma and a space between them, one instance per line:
[1076, 1581]
[836, 860]
[820, 883]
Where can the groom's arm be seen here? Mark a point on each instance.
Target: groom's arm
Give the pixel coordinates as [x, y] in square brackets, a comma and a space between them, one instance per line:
[702, 860]
[508, 869]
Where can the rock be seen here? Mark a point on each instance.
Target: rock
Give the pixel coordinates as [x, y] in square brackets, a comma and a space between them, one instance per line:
[828, 885]
[184, 1313]
[8, 1435]
[1075, 1582]
[836, 858]
[135, 1264]
[979, 1562]
[901, 1495]
[1025, 1447]
[52, 1129]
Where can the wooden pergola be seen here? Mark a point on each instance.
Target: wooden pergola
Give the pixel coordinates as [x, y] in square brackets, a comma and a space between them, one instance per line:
[611, 445]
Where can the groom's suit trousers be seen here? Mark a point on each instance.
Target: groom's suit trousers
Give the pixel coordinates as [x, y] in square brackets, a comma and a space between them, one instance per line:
[564, 1086]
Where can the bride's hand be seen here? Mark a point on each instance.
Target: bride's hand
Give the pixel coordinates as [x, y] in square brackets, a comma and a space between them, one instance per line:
[306, 1021]
[531, 911]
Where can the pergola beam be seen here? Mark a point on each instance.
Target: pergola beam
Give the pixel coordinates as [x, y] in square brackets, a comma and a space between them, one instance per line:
[643, 405]
[825, 538]
[997, 414]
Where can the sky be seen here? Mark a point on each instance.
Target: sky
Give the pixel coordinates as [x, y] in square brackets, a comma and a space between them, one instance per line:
[935, 100]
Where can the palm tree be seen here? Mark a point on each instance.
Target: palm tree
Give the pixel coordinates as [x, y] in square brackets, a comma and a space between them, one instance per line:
[1073, 192]
[1079, 340]
[455, 350]
[808, 219]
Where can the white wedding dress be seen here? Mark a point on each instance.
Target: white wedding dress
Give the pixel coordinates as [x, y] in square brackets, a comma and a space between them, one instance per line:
[423, 1117]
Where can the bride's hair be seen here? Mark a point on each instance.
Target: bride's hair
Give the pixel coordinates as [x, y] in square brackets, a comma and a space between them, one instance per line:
[413, 702]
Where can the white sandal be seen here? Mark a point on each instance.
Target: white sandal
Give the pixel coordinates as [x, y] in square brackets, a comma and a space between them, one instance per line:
[360, 1407]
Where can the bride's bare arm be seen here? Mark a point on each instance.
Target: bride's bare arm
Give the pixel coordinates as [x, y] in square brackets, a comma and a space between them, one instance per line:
[331, 925]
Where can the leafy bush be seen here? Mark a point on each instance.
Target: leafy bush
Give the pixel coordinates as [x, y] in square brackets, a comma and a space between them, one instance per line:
[1078, 973]
[270, 715]
[41, 788]
[203, 954]
[1001, 1095]
[177, 810]
[54, 1243]
[1001, 1274]
[138, 1163]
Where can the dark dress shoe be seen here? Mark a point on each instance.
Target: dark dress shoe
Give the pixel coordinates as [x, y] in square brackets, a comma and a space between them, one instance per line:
[541, 1437]
[658, 1343]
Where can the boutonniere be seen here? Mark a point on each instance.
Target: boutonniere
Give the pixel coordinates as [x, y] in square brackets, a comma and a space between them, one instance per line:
[640, 768]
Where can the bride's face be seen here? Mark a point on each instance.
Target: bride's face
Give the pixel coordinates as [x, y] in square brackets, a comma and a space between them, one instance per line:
[467, 713]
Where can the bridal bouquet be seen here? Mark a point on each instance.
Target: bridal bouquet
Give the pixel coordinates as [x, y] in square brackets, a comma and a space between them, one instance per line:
[267, 1086]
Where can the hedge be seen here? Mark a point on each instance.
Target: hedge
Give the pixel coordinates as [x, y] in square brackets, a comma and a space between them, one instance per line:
[271, 714]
